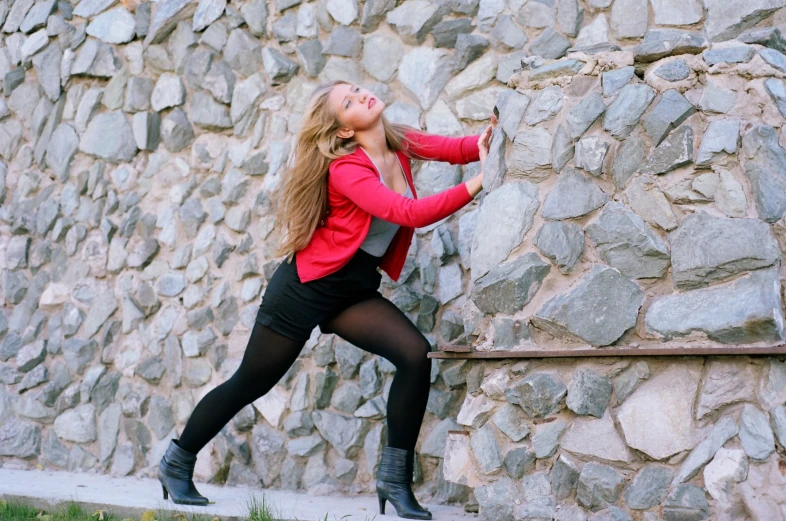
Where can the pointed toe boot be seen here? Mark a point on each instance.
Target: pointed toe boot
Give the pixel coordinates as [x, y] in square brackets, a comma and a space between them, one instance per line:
[394, 480]
[175, 472]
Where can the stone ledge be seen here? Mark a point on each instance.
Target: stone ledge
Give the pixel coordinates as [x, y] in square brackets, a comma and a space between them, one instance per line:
[462, 352]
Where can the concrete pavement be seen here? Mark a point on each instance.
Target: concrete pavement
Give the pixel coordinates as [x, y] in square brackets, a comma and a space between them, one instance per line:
[130, 496]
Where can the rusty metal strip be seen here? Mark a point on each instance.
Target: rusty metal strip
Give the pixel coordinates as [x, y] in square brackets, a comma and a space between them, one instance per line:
[614, 351]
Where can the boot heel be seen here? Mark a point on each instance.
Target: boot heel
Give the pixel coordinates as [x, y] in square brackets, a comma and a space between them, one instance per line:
[166, 494]
[382, 505]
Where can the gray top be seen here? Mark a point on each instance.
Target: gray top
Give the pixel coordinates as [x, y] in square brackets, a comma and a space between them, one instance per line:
[381, 231]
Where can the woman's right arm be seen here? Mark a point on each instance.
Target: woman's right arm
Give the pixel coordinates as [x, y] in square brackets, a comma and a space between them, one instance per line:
[362, 186]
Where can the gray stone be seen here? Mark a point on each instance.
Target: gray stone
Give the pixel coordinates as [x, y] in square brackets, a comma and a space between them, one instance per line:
[505, 230]
[674, 152]
[627, 108]
[47, 66]
[197, 372]
[586, 313]
[497, 499]
[726, 19]
[677, 12]
[78, 353]
[686, 502]
[207, 113]
[176, 131]
[511, 421]
[344, 433]
[596, 438]
[166, 16]
[207, 12]
[160, 418]
[562, 149]
[110, 137]
[279, 68]
[538, 394]
[268, 452]
[598, 486]
[346, 397]
[737, 54]
[676, 70]
[584, 114]
[628, 380]
[669, 113]
[30, 356]
[519, 461]
[588, 393]
[570, 513]
[507, 34]
[615, 79]
[545, 438]
[767, 36]
[138, 91]
[649, 487]
[764, 161]
[20, 439]
[625, 242]
[545, 106]
[659, 43]
[729, 246]
[486, 450]
[562, 243]
[78, 424]
[531, 155]
[509, 287]
[53, 452]
[108, 429]
[778, 423]
[549, 45]
[349, 358]
[569, 16]
[113, 26]
[721, 137]
[61, 149]
[629, 18]
[755, 433]
[424, 72]
[590, 154]
[305, 447]
[414, 20]
[565, 67]
[777, 91]
[666, 398]
[564, 477]
[573, 195]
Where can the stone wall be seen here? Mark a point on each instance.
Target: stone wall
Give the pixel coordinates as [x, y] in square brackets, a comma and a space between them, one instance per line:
[143, 145]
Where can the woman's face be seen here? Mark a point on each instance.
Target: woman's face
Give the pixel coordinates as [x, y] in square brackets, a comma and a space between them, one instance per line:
[356, 108]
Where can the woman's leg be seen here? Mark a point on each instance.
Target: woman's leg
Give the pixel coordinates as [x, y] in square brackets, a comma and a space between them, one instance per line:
[378, 326]
[268, 356]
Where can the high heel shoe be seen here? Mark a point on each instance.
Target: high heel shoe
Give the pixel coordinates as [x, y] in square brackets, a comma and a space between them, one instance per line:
[394, 479]
[175, 472]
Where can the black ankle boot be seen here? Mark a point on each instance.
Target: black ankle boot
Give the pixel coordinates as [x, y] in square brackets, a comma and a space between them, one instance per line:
[175, 472]
[394, 477]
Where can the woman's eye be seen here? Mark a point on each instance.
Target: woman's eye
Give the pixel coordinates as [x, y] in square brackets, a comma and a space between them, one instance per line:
[350, 101]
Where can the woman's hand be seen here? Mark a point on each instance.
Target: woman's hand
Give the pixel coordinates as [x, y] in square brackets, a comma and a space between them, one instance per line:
[484, 142]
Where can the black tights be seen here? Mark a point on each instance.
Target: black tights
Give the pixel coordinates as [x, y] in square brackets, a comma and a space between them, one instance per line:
[375, 325]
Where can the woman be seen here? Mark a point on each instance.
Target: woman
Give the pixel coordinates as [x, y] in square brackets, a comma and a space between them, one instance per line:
[348, 206]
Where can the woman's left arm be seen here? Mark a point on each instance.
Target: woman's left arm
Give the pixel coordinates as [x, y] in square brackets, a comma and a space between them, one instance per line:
[454, 150]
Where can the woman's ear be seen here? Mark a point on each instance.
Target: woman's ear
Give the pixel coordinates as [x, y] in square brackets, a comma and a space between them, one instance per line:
[345, 133]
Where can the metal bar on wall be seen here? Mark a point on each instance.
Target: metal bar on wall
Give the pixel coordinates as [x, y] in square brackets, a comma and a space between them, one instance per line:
[464, 353]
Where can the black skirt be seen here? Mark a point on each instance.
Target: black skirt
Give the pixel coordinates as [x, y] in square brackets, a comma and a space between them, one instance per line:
[293, 308]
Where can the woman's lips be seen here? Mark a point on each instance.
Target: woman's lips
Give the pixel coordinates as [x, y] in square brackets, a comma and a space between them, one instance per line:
[371, 102]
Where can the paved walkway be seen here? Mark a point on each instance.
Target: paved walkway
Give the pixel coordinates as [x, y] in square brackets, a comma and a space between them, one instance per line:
[131, 496]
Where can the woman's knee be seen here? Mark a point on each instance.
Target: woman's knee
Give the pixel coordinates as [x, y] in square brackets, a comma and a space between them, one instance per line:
[416, 357]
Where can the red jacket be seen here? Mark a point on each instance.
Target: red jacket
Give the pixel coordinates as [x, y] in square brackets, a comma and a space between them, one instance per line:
[356, 192]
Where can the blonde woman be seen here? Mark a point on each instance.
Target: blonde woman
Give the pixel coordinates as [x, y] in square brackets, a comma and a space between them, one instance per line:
[348, 206]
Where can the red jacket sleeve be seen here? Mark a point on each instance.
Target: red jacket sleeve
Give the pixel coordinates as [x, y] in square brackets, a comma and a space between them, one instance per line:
[454, 150]
[362, 186]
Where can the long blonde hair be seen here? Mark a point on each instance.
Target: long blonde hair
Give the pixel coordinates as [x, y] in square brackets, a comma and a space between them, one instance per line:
[303, 200]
